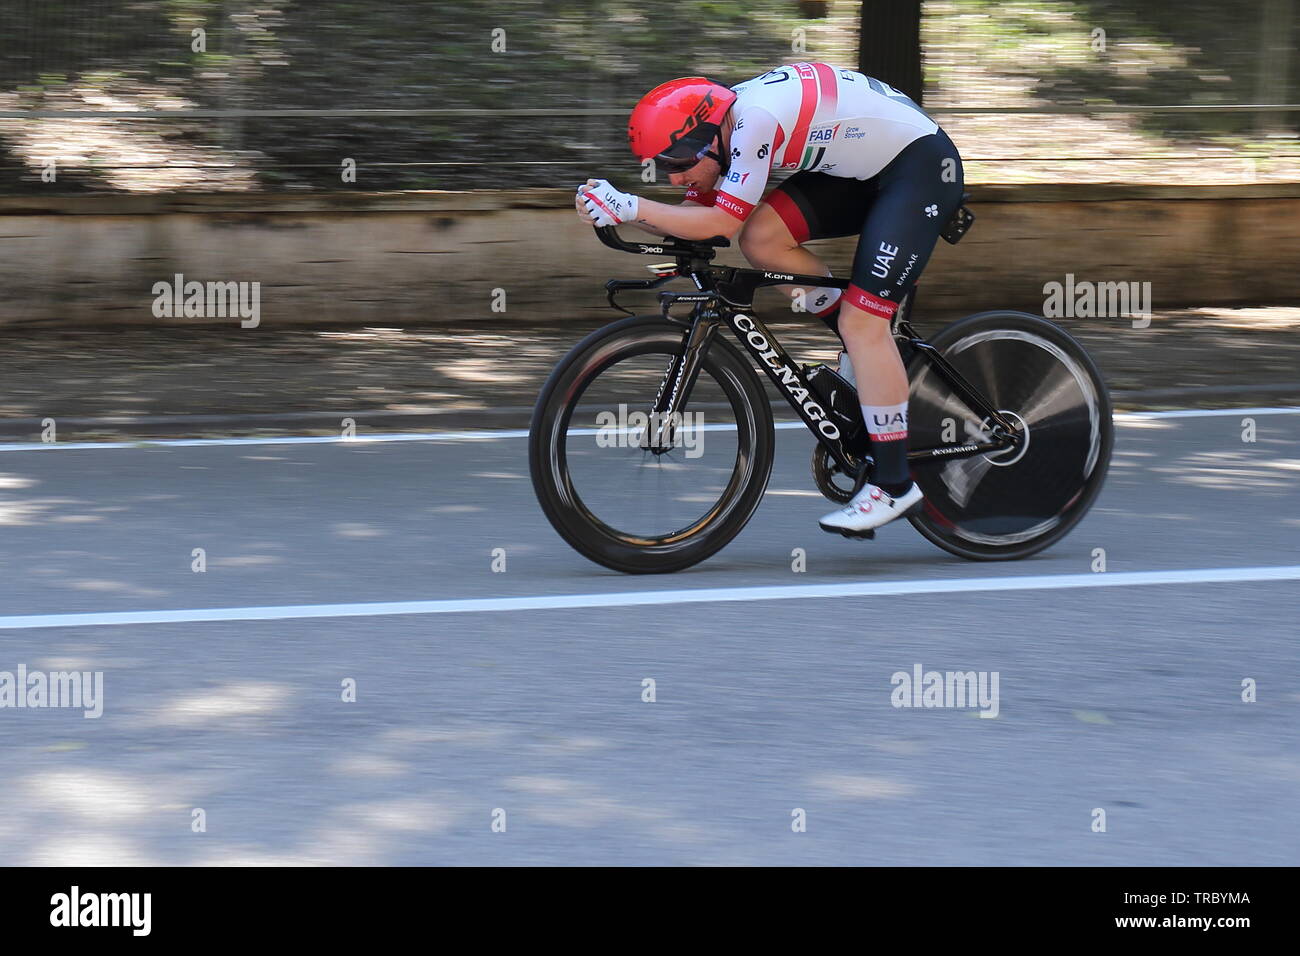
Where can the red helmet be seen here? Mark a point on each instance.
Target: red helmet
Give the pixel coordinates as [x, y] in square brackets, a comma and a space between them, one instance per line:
[675, 123]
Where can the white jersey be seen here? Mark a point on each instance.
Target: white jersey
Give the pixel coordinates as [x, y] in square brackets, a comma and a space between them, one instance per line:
[816, 117]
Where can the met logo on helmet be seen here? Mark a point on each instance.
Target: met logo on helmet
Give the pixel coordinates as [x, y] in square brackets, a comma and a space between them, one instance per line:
[702, 111]
[686, 110]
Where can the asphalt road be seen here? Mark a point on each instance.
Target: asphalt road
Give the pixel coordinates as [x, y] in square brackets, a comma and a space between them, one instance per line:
[1124, 698]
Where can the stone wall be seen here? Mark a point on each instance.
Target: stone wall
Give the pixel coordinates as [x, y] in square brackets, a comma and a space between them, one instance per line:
[390, 259]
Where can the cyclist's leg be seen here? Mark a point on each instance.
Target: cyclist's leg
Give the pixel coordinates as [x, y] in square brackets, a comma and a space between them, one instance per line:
[806, 206]
[918, 193]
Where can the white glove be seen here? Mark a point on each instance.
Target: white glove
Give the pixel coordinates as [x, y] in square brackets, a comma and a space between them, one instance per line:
[606, 205]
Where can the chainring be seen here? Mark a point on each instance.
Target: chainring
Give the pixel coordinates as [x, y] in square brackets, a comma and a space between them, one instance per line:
[826, 471]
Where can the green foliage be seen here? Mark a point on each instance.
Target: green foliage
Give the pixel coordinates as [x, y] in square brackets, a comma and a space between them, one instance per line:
[559, 54]
[1157, 52]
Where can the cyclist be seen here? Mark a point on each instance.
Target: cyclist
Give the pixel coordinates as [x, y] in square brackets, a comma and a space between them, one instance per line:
[868, 162]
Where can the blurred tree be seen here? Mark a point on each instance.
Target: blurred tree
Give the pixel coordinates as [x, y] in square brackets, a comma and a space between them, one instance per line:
[1233, 53]
[890, 44]
[325, 54]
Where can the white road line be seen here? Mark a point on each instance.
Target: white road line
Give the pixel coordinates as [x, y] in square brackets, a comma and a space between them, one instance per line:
[1121, 418]
[288, 440]
[641, 598]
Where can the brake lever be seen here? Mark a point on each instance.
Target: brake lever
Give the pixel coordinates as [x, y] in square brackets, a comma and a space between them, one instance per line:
[614, 286]
[610, 291]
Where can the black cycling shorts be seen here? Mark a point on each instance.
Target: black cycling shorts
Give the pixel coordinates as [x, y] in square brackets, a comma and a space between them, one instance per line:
[898, 213]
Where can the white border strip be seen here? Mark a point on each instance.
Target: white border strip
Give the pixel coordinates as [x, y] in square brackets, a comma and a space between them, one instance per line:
[642, 598]
[286, 440]
[1121, 418]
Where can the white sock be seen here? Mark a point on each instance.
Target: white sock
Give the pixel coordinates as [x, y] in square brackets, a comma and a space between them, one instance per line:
[886, 422]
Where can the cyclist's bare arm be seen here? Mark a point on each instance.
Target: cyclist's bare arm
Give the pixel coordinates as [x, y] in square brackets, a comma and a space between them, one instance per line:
[687, 221]
[702, 221]
[659, 234]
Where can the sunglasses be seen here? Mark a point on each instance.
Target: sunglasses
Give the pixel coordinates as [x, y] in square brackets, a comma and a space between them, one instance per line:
[680, 164]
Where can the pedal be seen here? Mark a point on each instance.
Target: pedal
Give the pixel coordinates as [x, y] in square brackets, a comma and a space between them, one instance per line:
[915, 510]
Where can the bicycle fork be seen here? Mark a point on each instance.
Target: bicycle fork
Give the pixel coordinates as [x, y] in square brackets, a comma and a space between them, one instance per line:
[678, 381]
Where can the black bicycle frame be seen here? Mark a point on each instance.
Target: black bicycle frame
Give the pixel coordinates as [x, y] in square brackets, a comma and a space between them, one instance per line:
[726, 295]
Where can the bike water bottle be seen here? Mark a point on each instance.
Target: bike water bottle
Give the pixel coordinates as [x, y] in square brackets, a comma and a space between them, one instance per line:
[840, 399]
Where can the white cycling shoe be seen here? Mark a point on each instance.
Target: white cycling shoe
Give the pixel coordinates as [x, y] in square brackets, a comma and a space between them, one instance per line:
[870, 508]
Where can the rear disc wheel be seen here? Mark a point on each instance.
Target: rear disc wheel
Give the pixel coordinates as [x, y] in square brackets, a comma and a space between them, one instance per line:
[1010, 504]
